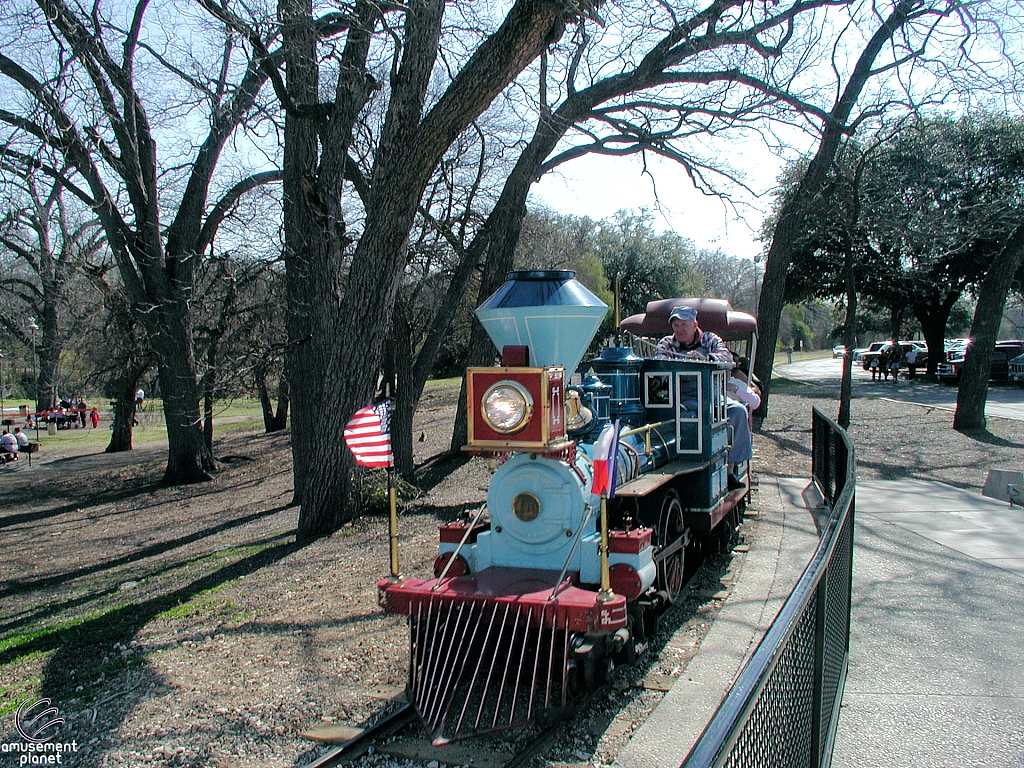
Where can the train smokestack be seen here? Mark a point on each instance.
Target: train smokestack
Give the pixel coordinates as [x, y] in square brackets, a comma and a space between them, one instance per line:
[548, 311]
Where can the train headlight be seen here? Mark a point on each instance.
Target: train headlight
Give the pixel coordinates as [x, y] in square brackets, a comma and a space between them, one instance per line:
[507, 407]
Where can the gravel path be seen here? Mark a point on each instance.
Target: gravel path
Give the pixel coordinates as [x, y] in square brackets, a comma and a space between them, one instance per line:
[183, 627]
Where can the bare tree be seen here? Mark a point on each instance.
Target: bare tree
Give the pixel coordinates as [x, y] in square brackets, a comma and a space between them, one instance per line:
[686, 77]
[343, 285]
[48, 239]
[81, 76]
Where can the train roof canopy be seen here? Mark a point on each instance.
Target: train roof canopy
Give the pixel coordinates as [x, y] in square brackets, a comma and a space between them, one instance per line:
[715, 315]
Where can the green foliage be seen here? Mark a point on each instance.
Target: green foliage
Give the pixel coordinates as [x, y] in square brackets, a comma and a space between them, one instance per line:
[646, 264]
[922, 209]
[794, 327]
[960, 317]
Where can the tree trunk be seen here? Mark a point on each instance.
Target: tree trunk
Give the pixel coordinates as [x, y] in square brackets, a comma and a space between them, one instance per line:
[403, 403]
[189, 459]
[773, 286]
[933, 316]
[896, 321]
[272, 422]
[973, 391]
[336, 336]
[849, 330]
[283, 402]
[124, 412]
[48, 355]
[209, 383]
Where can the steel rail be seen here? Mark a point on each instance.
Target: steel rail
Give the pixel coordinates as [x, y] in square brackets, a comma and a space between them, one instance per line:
[401, 716]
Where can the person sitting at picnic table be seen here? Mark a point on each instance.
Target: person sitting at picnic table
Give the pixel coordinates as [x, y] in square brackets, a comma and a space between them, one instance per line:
[8, 447]
[21, 437]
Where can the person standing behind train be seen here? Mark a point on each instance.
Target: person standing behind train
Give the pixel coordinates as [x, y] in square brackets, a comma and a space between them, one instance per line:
[689, 342]
[894, 361]
[911, 362]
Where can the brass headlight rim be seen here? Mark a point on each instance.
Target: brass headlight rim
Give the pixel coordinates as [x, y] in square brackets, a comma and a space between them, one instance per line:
[527, 409]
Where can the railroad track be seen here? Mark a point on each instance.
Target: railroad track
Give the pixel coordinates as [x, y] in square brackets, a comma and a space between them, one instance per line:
[406, 714]
[414, 745]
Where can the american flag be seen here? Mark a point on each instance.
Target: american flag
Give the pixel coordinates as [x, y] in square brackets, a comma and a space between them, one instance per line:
[368, 435]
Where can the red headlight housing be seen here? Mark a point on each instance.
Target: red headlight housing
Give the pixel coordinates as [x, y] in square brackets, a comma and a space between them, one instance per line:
[515, 408]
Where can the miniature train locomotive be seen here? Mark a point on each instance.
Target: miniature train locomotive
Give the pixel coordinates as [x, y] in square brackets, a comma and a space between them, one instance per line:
[526, 610]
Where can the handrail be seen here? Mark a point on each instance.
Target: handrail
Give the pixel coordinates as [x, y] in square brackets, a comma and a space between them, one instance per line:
[790, 640]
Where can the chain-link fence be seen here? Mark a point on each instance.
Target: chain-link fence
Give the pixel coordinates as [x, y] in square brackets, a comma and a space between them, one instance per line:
[783, 708]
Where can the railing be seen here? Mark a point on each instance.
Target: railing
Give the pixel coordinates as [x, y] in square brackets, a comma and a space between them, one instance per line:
[783, 708]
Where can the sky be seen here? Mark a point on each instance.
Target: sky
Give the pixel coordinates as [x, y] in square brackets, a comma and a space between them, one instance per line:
[598, 186]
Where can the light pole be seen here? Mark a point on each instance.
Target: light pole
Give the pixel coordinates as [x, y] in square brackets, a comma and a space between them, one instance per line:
[3, 412]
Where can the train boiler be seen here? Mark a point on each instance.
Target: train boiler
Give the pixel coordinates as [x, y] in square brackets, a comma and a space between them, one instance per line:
[536, 597]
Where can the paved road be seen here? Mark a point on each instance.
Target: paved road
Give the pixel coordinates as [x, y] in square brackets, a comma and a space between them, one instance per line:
[1005, 401]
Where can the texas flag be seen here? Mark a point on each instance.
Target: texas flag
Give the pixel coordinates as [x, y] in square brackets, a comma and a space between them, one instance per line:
[606, 454]
[368, 435]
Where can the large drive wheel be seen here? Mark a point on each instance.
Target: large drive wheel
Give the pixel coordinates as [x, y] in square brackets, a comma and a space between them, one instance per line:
[672, 540]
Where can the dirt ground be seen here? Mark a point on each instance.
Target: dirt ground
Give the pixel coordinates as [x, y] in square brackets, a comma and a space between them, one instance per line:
[184, 626]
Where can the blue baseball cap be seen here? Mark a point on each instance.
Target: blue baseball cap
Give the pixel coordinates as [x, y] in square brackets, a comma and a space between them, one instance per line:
[682, 313]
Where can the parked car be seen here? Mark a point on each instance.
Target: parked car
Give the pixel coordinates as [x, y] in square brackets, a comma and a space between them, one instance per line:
[950, 370]
[838, 351]
[1016, 370]
[873, 347]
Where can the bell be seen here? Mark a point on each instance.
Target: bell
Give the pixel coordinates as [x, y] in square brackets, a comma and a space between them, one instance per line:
[577, 415]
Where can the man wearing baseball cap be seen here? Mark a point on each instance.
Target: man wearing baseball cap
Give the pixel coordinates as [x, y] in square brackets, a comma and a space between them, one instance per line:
[689, 342]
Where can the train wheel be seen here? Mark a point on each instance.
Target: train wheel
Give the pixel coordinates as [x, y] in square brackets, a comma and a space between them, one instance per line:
[673, 537]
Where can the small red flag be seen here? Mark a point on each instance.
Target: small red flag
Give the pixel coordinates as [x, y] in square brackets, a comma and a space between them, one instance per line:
[368, 435]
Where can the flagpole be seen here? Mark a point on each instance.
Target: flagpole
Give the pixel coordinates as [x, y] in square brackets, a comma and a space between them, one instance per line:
[393, 527]
[606, 593]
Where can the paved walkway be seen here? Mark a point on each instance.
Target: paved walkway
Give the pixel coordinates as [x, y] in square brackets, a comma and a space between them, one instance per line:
[1004, 400]
[936, 676]
[937, 645]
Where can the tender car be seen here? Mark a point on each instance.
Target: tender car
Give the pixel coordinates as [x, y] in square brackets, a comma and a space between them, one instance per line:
[1016, 370]
[950, 370]
[838, 351]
